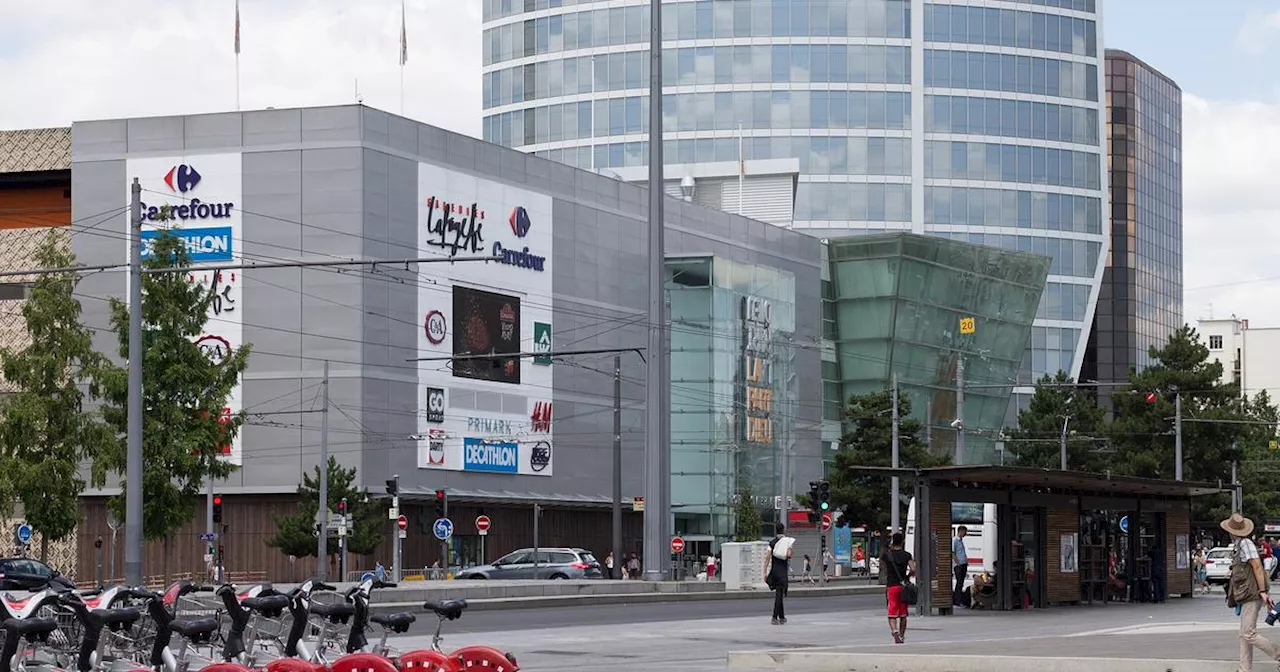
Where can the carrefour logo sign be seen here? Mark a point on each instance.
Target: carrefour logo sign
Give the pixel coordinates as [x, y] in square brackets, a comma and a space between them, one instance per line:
[211, 243]
[193, 209]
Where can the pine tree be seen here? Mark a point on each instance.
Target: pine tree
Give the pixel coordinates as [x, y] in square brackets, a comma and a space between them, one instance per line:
[1037, 439]
[295, 535]
[45, 431]
[183, 394]
[861, 497]
[747, 513]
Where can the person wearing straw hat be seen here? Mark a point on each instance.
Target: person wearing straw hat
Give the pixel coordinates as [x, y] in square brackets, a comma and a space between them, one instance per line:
[1247, 590]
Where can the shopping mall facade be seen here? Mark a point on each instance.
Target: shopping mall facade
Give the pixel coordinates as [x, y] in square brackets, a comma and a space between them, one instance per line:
[352, 182]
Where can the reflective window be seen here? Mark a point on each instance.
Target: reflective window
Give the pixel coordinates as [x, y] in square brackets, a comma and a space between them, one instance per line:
[1011, 163]
[723, 64]
[974, 206]
[1076, 5]
[1063, 302]
[1052, 350]
[853, 202]
[1013, 74]
[1010, 28]
[1075, 258]
[1011, 118]
[757, 18]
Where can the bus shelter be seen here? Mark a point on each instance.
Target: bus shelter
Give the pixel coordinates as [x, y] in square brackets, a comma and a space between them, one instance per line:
[1061, 537]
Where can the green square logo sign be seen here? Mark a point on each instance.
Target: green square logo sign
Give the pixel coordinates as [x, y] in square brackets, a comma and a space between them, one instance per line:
[542, 343]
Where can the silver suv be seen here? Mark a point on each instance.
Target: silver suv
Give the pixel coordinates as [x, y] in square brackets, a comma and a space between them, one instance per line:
[545, 563]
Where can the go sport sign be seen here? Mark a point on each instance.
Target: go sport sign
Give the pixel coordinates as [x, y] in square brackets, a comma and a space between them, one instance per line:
[204, 244]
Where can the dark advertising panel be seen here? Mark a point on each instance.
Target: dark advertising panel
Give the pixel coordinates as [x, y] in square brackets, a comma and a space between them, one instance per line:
[486, 323]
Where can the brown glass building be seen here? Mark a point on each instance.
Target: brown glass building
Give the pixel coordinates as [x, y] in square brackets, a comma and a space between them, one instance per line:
[1140, 302]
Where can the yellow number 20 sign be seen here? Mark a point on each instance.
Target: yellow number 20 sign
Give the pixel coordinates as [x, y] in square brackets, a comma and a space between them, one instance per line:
[967, 325]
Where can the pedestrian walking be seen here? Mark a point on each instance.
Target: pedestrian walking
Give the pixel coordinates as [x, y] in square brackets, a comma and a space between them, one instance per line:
[959, 565]
[608, 564]
[1247, 590]
[1201, 569]
[380, 572]
[828, 561]
[633, 566]
[777, 572]
[808, 571]
[898, 568]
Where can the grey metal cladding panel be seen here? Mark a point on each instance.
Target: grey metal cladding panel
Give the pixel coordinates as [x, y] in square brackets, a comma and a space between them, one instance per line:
[156, 135]
[272, 229]
[271, 127]
[431, 143]
[375, 126]
[99, 188]
[402, 134]
[377, 331]
[331, 124]
[460, 151]
[271, 444]
[213, 132]
[402, 242]
[332, 191]
[97, 138]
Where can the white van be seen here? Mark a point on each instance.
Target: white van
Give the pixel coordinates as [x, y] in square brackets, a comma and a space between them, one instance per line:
[980, 544]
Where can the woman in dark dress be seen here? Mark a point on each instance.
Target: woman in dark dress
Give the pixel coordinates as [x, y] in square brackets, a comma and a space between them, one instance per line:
[899, 567]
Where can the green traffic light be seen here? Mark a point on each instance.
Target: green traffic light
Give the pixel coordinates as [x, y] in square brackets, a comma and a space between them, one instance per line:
[825, 506]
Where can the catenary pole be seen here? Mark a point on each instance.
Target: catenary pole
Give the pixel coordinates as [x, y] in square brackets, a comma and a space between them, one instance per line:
[895, 484]
[1177, 437]
[960, 410]
[133, 538]
[617, 465]
[322, 510]
[657, 510]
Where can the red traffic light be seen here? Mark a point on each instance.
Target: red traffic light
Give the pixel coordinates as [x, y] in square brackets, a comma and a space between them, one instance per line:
[1151, 397]
[217, 500]
[342, 506]
[439, 495]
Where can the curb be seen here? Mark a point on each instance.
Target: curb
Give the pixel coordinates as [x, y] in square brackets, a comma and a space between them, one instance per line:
[547, 601]
[817, 661]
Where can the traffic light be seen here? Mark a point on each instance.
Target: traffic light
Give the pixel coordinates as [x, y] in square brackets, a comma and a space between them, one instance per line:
[824, 497]
[441, 504]
[217, 508]
[342, 507]
[814, 512]
[393, 486]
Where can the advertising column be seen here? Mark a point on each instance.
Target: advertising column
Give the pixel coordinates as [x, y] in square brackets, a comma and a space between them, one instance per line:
[203, 192]
[492, 414]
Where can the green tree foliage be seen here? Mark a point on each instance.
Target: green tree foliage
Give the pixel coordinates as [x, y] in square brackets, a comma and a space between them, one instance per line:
[295, 535]
[183, 394]
[1037, 440]
[748, 525]
[1261, 465]
[863, 498]
[45, 431]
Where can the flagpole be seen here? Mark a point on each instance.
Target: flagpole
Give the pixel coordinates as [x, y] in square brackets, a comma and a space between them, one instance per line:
[404, 53]
[237, 55]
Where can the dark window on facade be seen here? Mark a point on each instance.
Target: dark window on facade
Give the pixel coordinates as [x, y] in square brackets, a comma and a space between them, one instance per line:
[1215, 342]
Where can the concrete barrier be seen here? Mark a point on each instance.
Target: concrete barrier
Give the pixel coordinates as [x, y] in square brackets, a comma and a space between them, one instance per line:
[826, 661]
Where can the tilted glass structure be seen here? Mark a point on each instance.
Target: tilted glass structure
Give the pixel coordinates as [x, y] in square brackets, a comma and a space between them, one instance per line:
[899, 301]
[975, 120]
[1140, 303]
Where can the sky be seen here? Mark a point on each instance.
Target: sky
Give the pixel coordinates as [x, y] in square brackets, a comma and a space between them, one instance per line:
[68, 60]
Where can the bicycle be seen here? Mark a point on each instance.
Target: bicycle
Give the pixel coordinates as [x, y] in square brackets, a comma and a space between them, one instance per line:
[468, 657]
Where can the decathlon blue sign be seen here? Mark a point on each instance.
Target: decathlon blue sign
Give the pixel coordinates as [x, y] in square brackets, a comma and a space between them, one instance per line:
[498, 456]
[442, 528]
[210, 243]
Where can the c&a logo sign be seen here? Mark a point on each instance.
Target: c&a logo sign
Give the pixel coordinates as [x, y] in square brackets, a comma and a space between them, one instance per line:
[182, 178]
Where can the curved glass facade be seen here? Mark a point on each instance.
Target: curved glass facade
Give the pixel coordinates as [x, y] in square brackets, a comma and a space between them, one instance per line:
[978, 121]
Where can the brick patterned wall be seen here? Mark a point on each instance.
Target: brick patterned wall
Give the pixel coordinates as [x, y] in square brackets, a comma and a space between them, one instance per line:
[940, 520]
[17, 252]
[1061, 588]
[1178, 580]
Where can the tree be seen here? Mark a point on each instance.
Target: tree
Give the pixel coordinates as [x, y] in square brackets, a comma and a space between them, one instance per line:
[45, 431]
[184, 394]
[748, 516]
[295, 535]
[1261, 464]
[1037, 440]
[864, 498]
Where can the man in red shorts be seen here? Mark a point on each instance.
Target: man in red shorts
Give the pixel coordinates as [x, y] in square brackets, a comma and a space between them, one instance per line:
[899, 567]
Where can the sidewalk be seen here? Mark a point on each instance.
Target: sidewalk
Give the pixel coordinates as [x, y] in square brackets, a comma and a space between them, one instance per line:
[1209, 645]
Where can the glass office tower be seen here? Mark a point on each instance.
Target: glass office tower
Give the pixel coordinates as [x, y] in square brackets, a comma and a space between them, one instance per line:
[975, 120]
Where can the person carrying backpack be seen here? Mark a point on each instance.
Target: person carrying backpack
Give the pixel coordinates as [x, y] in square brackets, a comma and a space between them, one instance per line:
[1247, 590]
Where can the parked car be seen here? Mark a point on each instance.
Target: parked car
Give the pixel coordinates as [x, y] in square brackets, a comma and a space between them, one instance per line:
[545, 563]
[1217, 566]
[29, 574]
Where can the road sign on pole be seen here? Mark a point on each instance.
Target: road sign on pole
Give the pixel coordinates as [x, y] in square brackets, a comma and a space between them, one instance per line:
[442, 528]
[402, 522]
[677, 544]
[24, 534]
[483, 524]
[826, 521]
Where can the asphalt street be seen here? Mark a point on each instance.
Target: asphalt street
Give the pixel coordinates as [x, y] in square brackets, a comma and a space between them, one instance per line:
[653, 612]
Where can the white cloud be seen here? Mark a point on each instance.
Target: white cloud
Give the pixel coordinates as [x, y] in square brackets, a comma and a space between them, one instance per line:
[1231, 217]
[67, 60]
[1258, 32]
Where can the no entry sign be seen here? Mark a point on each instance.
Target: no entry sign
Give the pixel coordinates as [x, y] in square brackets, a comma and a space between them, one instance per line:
[483, 524]
[402, 523]
[677, 544]
[826, 521]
